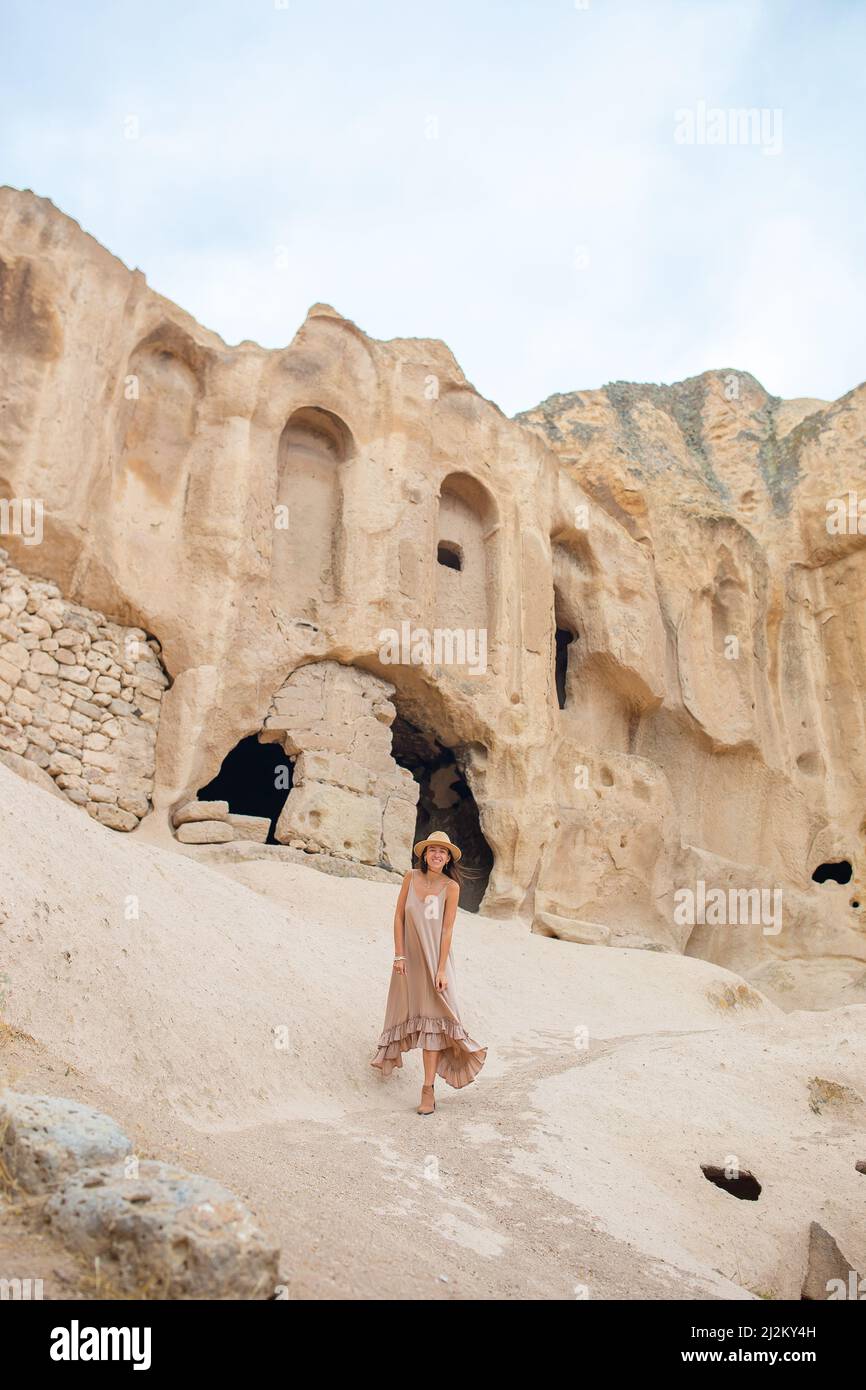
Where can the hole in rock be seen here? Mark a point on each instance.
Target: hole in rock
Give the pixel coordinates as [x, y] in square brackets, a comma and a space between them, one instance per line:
[255, 779]
[811, 763]
[563, 640]
[450, 555]
[837, 872]
[445, 802]
[745, 1185]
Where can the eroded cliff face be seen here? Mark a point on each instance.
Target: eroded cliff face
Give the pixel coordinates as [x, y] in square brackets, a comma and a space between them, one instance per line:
[613, 641]
[744, 503]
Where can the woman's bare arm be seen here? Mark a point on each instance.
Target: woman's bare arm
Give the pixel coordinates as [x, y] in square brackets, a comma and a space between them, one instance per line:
[399, 919]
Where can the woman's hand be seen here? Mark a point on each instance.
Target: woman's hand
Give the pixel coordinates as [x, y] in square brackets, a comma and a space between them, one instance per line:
[400, 967]
[441, 982]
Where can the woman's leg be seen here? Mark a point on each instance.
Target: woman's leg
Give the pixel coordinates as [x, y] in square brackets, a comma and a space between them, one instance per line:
[430, 1059]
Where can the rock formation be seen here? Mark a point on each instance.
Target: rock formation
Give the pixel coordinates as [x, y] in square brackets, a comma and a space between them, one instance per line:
[158, 1230]
[614, 646]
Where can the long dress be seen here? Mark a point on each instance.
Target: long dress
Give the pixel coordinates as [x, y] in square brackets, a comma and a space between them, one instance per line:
[417, 1014]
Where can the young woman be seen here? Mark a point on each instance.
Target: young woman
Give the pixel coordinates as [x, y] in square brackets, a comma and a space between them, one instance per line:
[422, 1009]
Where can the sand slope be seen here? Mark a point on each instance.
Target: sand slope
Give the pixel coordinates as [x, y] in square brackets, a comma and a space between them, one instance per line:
[153, 985]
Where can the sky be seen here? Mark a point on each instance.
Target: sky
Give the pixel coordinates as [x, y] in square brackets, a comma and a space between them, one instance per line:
[561, 190]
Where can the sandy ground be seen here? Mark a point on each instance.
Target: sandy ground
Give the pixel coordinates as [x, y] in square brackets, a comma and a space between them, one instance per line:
[226, 1016]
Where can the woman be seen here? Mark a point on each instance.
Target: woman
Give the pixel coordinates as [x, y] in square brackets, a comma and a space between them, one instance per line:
[422, 1008]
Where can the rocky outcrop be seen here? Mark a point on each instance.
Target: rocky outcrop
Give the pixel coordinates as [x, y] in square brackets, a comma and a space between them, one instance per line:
[622, 635]
[829, 1275]
[747, 506]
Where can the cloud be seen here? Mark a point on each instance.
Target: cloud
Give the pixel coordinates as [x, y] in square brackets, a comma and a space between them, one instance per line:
[504, 177]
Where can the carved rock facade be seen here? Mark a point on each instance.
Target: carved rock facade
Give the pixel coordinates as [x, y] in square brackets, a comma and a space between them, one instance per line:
[612, 644]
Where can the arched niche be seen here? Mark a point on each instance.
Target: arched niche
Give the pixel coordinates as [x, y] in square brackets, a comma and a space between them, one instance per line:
[313, 447]
[157, 421]
[465, 557]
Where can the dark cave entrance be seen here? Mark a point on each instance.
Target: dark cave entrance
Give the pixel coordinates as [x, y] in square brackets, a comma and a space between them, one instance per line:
[563, 639]
[743, 1185]
[255, 779]
[566, 625]
[450, 554]
[837, 872]
[445, 802]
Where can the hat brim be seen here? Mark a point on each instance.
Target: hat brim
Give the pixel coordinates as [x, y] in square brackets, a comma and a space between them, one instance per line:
[438, 844]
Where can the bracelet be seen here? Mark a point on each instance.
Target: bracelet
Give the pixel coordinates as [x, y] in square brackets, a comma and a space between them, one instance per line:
[399, 957]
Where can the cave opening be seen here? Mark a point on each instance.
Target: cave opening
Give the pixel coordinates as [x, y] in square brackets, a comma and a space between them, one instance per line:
[445, 802]
[450, 554]
[838, 871]
[745, 1185]
[564, 638]
[255, 779]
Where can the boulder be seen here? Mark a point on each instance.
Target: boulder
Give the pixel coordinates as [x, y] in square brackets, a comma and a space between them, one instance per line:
[164, 1232]
[827, 1268]
[329, 818]
[44, 1139]
[569, 929]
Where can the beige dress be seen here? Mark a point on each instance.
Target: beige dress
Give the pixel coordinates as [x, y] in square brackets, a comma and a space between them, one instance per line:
[416, 1013]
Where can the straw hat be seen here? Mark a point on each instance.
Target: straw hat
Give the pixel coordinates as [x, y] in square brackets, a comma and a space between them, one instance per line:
[439, 838]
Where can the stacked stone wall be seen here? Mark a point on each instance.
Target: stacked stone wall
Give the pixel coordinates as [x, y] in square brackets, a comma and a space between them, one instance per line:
[80, 698]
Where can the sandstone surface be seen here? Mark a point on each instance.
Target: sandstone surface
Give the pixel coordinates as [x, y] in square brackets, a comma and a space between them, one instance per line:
[614, 647]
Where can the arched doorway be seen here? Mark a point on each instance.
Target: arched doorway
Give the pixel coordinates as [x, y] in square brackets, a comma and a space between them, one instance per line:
[255, 779]
[445, 802]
